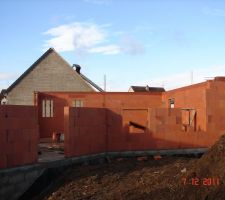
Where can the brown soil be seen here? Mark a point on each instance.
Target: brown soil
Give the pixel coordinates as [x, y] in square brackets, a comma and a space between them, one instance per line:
[211, 165]
[146, 179]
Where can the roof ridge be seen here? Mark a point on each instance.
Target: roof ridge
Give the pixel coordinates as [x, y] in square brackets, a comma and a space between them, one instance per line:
[37, 62]
[29, 69]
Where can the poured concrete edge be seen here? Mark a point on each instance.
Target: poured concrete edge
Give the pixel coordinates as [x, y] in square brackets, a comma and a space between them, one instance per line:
[76, 160]
[166, 152]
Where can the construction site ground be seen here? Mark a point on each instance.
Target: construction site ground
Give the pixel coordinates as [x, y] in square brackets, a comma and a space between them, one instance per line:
[145, 178]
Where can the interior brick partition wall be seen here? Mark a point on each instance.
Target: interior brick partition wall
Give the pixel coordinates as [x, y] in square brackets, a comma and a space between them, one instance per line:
[19, 135]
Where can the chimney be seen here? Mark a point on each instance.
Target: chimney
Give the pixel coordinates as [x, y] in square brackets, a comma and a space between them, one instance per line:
[78, 68]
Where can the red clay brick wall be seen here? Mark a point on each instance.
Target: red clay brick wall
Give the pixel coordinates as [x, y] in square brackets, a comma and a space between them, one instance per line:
[91, 100]
[127, 137]
[18, 135]
[85, 131]
[50, 124]
[96, 130]
[164, 127]
[215, 108]
[193, 96]
[168, 131]
[164, 130]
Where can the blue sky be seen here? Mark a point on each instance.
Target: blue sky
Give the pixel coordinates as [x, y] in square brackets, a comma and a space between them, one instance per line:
[135, 42]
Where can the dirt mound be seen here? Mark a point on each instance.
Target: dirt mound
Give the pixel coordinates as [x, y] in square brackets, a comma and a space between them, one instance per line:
[127, 179]
[170, 178]
[205, 179]
[213, 162]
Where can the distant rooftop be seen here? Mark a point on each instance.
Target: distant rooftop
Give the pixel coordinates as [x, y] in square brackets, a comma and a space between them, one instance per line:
[146, 89]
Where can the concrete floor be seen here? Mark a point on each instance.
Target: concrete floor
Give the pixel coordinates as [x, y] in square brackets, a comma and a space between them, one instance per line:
[50, 151]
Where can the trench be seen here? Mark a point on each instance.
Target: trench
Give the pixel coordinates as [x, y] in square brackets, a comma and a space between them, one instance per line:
[41, 187]
[42, 182]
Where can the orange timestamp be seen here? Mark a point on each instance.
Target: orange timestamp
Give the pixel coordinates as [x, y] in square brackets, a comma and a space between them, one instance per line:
[209, 181]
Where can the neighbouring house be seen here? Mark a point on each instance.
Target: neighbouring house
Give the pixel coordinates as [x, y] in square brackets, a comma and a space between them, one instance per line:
[146, 89]
[49, 73]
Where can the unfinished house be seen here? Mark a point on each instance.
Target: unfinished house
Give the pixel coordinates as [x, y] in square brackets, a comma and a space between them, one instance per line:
[184, 120]
[53, 100]
[144, 119]
[49, 73]
[104, 125]
[188, 117]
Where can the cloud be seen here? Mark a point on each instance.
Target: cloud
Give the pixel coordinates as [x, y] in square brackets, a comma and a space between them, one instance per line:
[98, 2]
[214, 12]
[127, 45]
[85, 38]
[107, 50]
[75, 36]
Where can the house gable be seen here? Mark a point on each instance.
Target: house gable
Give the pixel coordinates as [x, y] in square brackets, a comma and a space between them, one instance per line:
[49, 73]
